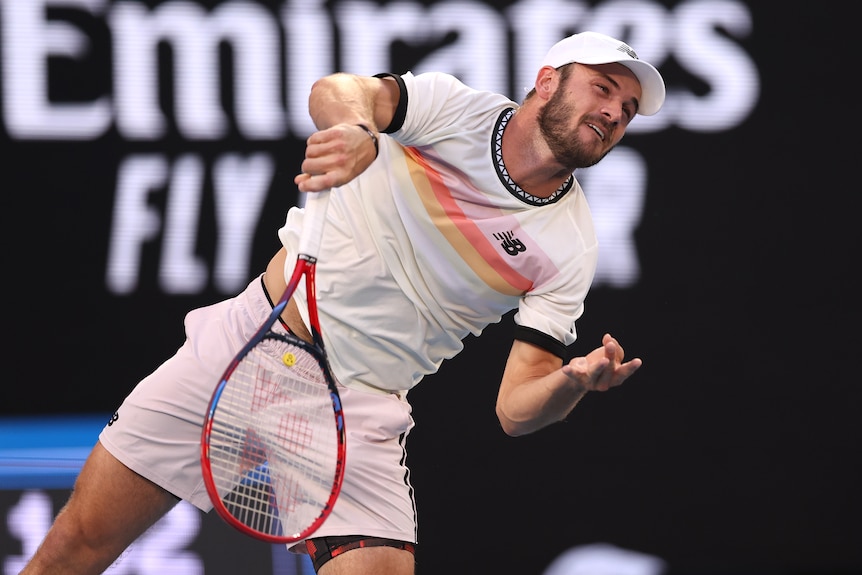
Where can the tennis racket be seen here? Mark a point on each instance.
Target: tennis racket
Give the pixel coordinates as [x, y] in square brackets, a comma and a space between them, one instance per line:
[273, 441]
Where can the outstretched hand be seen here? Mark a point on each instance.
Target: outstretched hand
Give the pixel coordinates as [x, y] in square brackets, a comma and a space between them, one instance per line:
[335, 156]
[602, 368]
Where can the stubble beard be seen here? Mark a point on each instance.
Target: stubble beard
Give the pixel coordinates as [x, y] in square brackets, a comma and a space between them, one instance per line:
[567, 148]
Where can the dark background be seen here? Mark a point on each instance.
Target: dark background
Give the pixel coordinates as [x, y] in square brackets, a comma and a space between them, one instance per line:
[735, 449]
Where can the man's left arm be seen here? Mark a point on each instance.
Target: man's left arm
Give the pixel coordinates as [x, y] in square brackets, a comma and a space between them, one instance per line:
[537, 389]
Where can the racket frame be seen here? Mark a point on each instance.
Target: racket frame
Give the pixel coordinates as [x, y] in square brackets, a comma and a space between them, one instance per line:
[305, 267]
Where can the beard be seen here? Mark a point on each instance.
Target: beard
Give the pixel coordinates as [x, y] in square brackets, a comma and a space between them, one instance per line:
[567, 149]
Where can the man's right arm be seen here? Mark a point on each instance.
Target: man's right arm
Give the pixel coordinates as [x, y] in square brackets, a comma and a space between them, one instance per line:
[349, 99]
[339, 105]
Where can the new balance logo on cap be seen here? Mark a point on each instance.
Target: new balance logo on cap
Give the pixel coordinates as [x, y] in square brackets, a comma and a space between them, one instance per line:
[626, 49]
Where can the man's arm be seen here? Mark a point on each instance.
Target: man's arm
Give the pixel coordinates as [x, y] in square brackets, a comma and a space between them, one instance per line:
[537, 389]
[341, 149]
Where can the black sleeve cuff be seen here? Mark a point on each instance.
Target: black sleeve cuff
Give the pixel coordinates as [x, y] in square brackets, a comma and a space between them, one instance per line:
[401, 110]
[542, 340]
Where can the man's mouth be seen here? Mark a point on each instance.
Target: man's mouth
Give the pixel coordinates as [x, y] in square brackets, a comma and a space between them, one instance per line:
[598, 131]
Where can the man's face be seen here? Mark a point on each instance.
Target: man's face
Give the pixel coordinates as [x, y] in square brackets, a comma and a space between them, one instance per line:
[588, 113]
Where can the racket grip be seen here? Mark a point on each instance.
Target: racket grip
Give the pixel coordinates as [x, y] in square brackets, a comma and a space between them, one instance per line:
[316, 204]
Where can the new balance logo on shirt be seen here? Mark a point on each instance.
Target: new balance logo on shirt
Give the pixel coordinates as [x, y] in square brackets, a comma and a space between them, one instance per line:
[510, 243]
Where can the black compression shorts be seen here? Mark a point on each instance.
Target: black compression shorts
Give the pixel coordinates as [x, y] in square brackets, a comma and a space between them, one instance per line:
[322, 549]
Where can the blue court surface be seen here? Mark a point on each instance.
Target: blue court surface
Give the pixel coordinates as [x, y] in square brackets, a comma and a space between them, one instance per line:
[46, 452]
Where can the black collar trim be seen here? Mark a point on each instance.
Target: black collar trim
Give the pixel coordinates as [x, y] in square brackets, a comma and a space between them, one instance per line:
[503, 173]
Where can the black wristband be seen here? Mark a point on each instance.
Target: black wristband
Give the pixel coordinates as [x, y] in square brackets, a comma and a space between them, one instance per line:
[373, 138]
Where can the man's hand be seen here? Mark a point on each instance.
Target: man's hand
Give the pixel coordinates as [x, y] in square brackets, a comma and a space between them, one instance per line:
[335, 156]
[602, 368]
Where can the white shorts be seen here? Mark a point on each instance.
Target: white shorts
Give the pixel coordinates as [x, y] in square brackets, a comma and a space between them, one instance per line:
[157, 429]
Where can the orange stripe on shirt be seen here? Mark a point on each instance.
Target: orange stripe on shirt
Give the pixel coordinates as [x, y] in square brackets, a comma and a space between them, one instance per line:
[460, 231]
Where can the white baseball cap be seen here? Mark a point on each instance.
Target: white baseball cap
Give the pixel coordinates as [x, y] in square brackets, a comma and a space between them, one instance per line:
[595, 48]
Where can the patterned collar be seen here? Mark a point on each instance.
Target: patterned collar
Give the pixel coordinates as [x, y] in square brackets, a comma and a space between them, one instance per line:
[503, 173]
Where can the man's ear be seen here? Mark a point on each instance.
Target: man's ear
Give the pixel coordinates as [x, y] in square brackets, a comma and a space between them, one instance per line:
[546, 82]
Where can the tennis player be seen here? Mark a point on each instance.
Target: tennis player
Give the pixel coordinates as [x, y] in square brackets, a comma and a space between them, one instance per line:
[449, 208]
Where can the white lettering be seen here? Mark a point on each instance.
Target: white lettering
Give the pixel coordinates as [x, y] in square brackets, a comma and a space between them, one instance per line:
[28, 521]
[241, 187]
[240, 190]
[28, 40]
[309, 56]
[734, 83]
[697, 34]
[181, 271]
[194, 38]
[134, 222]
[616, 204]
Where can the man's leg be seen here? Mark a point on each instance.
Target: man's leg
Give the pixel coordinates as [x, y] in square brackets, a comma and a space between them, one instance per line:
[109, 508]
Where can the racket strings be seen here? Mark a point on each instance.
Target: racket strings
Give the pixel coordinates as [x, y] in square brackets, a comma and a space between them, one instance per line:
[273, 445]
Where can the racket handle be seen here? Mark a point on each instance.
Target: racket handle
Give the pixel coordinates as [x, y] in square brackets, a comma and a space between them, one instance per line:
[316, 204]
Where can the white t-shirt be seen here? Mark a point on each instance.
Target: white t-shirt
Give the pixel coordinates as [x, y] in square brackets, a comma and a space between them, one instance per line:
[434, 242]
